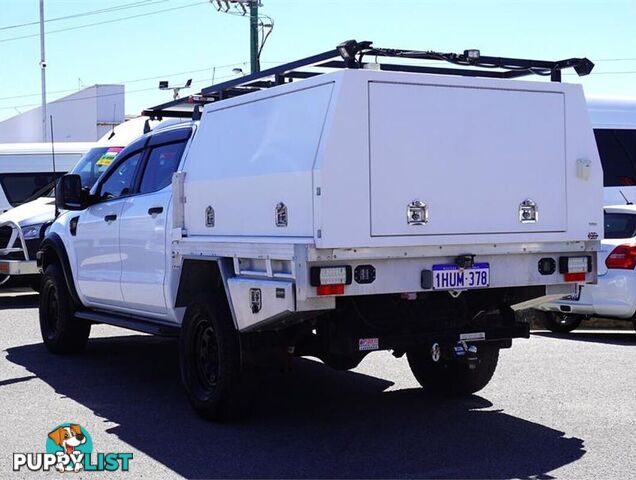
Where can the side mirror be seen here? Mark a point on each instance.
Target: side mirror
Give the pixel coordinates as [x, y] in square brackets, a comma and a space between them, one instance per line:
[69, 194]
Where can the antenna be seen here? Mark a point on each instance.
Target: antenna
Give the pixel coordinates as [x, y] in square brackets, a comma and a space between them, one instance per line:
[57, 212]
[112, 134]
[627, 202]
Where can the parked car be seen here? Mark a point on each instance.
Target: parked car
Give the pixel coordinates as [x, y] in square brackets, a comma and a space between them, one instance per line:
[614, 296]
[333, 216]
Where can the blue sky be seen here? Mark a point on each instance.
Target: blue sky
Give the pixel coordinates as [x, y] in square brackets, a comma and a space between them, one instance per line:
[180, 39]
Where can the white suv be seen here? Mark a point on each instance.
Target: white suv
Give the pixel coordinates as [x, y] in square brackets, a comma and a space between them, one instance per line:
[614, 296]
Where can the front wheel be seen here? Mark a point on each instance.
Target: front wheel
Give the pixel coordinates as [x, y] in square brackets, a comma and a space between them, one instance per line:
[562, 322]
[209, 354]
[452, 377]
[61, 331]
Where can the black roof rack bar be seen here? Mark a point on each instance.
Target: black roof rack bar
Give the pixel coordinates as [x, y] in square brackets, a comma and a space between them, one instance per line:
[389, 67]
[350, 54]
[280, 69]
[228, 89]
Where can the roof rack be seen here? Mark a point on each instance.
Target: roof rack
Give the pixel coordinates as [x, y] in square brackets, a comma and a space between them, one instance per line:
[351, 54]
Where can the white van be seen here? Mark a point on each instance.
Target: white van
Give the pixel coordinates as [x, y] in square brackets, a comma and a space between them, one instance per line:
[26, 169]
[614, 122]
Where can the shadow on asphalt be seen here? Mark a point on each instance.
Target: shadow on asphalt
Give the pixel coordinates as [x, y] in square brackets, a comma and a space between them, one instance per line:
[627, 337]
[28, 300]
[314, 422]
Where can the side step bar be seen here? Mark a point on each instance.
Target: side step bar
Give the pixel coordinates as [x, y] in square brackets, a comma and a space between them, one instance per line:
[132, 323]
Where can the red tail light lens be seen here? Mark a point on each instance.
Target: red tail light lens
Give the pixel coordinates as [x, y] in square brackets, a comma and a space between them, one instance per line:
[330, 290]
[623, 256]
[574, 277]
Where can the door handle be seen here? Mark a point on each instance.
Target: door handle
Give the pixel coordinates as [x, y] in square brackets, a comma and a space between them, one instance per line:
[155, 210]
[110, 218]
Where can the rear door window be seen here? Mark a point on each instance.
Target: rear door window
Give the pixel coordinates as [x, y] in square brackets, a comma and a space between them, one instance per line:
[162, 162]
[617, 149]
[620, 225]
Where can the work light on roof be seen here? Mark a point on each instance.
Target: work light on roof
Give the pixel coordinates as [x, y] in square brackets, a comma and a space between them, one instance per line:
[472, 54]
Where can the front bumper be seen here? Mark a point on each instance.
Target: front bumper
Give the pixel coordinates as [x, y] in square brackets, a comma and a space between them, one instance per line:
[17, 254]
[613, 296]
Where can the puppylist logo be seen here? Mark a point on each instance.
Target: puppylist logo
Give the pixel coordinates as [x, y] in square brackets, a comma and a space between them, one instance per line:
[69, 448]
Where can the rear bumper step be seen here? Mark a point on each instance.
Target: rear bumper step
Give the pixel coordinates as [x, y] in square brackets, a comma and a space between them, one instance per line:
[500, 335]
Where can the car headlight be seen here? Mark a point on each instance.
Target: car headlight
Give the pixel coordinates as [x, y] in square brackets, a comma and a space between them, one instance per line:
[32, 231]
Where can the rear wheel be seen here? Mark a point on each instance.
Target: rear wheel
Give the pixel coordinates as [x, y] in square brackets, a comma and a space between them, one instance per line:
[209, 353]
[562, 322]
[61, 331]
[448, 377]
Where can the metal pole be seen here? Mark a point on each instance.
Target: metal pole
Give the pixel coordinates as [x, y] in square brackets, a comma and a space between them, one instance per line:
[255, 66]
[43, 70]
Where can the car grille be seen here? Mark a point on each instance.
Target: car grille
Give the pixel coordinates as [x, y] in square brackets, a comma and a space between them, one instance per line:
[5, 236]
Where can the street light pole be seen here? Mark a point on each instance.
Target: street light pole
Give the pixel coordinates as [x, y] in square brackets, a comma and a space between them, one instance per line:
[255, 64]
[43, 70]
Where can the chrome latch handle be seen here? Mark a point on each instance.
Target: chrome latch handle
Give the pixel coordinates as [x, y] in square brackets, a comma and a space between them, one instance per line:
[417, 213]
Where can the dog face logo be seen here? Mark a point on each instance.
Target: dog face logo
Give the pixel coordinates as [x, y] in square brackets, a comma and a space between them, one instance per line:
[68, 438]
[70, 444]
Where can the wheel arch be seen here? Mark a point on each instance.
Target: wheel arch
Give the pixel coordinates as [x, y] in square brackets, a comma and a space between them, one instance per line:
[201, 276]
[51, 251]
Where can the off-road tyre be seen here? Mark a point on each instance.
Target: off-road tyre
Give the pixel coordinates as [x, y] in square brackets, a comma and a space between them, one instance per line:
[210, 359]
[562, 322]
[62, 333]
[453, 378]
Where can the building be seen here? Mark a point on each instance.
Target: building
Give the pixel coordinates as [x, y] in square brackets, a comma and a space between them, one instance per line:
[84, 116]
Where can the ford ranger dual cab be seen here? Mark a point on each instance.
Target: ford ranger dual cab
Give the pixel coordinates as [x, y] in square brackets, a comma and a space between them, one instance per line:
[302, 213]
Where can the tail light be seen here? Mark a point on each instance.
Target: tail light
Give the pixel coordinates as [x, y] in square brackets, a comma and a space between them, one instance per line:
[574, 269]
[623, 256]
[330, 280]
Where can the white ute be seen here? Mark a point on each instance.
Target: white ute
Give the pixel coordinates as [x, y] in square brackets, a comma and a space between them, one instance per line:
[377, 207]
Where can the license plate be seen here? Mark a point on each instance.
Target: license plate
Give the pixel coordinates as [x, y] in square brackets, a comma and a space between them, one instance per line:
[451, 277]
[4, 268]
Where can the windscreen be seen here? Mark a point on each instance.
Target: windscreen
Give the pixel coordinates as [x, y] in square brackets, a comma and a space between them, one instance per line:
[94, 163]
[620, 225]
[617, 149]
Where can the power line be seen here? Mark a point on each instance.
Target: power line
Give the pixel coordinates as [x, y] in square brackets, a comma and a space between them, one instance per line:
[126, 6]
[77, 27]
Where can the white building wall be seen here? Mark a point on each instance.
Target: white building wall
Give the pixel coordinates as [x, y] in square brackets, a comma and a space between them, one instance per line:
[84, 116]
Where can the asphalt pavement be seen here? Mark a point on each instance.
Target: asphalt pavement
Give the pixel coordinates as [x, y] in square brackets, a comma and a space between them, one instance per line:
[557, 407]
